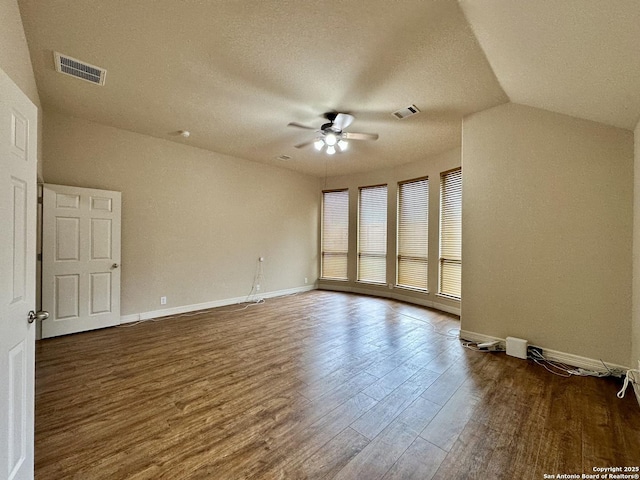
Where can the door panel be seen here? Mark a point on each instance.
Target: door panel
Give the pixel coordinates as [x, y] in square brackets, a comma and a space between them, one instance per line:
[80, 259]
[101, 229]
[18, 194]
[67, 299]
[19, 248]
[17, 408]
[67, 239]
[101, 293]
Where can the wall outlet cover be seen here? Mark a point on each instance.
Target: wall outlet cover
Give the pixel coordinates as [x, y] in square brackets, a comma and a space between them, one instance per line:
[517, 347]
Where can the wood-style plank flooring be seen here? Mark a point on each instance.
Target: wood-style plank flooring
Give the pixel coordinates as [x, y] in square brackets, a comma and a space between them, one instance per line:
[317, 385]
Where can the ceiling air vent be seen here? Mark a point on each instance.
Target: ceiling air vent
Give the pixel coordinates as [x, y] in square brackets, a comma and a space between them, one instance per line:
[76, 68]
[406, 112]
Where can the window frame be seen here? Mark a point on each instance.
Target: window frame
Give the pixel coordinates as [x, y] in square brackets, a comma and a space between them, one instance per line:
[359, 254]
[399, 230]
[446, 259]
[323, 239]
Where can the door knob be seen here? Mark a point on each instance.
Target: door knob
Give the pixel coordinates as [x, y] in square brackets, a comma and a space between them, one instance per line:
[33, 316]
[115, 265]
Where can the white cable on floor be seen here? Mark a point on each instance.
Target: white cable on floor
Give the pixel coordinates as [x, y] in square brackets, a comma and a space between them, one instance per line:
[628, 378]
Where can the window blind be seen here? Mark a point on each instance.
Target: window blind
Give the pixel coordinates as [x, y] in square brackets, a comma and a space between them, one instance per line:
[335, 234]
[451, 233]
[413, 233]
[372, 234]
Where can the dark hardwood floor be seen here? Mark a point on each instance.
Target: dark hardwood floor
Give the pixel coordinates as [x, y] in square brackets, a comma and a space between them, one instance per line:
[317, 385]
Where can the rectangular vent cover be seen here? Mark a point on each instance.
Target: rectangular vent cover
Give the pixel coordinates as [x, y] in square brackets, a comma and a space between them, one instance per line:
[406, 112]
[76, 68]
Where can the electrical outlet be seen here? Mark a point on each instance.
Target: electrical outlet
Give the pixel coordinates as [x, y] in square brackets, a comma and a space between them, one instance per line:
[257, 288]
[163, 300]
[306, 280]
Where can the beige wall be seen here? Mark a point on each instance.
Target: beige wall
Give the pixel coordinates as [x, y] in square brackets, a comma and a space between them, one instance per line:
[431, 167]
[15, 60]
[14, 53]
[635, 329]
[194, 222]
[547, 231]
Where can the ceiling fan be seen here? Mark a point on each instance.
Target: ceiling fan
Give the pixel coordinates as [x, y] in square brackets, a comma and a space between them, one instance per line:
[331, 135]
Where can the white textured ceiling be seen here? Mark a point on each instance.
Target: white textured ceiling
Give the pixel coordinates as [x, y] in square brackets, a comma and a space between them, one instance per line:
[235, 72]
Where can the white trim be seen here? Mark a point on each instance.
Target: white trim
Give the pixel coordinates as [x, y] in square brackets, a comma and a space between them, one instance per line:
[446, 308]
[130, 318]
[335, 287]
[165, 312]
[578, 361]
[555, 355]
[391, 293]
[479, 337]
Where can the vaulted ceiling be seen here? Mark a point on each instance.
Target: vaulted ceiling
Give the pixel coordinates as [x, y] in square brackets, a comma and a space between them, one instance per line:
[236, 72]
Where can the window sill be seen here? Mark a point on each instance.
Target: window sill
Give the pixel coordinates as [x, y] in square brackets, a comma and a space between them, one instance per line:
[449, 297]
[365, 282]
[411, 289]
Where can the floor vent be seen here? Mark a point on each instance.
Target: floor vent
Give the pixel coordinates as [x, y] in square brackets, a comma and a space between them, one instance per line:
[76, 68]
[406, 112]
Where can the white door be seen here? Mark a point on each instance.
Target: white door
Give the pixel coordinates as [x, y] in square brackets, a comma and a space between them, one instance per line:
[80, 259]
[18, 197]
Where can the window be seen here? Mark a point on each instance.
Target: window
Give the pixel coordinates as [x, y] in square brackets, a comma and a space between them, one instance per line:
[335, 234]
[372, 234]
[451, 233]
[413, 233]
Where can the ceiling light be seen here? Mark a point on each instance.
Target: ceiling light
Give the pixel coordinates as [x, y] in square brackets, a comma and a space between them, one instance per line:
[342, 145]
[318, 144]
[331, 139]
[331, 150]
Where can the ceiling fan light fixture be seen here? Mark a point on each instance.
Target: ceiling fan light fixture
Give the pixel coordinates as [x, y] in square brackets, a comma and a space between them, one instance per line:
[331, 136]
[331, 139]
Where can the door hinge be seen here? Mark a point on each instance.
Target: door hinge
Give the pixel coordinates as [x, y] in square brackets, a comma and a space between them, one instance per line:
[39, 257]
[40, 200]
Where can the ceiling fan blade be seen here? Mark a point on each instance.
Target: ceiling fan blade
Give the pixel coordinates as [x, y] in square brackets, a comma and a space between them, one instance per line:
[299, 125]
[305, 144]
[360, 136]
[342, 121]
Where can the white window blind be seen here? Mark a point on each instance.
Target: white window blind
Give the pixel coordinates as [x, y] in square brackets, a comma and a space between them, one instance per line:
[372, 234]
[413, 233]
[335, 234]
[451, 233]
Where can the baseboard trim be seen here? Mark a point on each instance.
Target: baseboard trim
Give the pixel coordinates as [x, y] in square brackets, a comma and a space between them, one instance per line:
[166, 312]
[130, 318]
[555, 355]
[394, 294]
